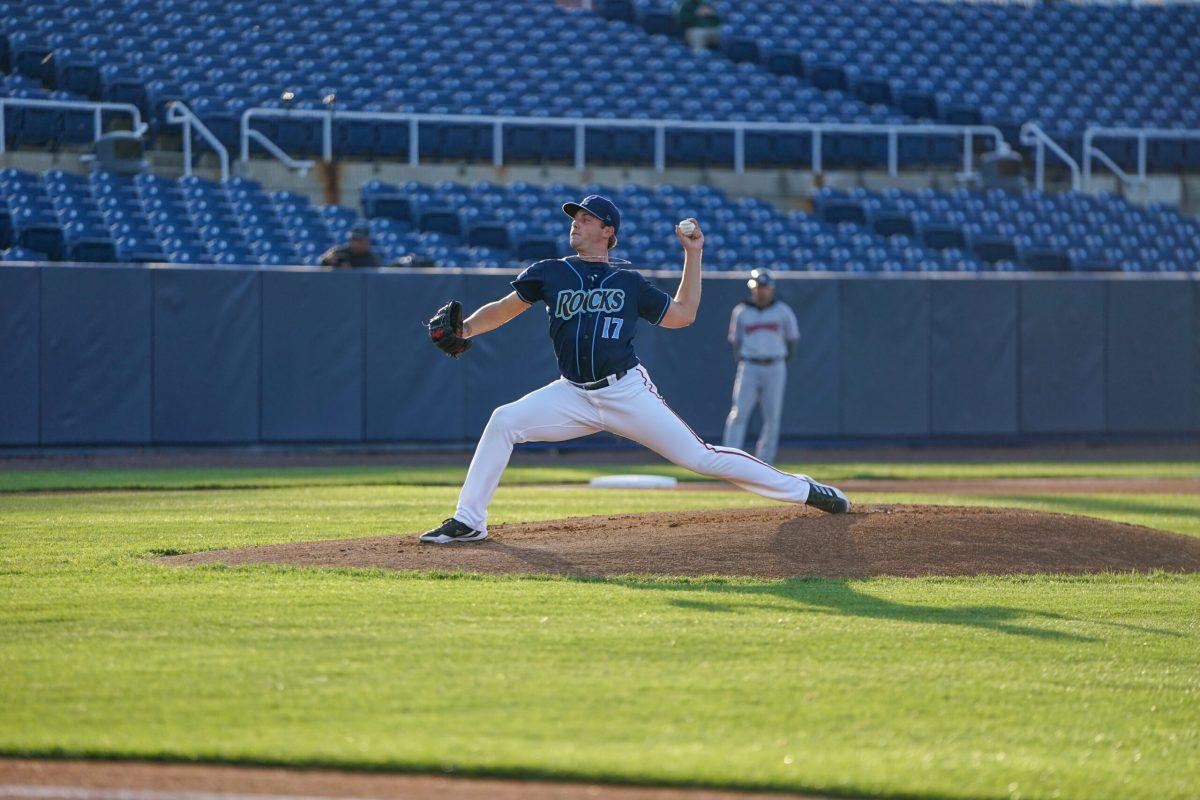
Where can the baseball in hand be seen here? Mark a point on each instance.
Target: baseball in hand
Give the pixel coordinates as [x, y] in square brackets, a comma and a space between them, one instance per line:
[687, 227]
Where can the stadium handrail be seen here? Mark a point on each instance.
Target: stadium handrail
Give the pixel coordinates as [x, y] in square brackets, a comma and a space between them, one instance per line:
[300, 165]
[178, 113]
[892, 132]
[1032, 135]
[1140, 135]
[139, 127]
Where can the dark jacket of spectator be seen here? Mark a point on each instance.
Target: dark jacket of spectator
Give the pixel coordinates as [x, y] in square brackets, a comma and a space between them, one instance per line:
[355, 253]
[696, 14]
[344, 256]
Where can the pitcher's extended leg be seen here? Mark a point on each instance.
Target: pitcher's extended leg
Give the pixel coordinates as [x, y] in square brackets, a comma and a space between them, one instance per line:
[554, 413]
[638, 412]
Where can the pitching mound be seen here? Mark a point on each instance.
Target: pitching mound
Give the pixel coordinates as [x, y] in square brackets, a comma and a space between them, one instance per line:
[776, 542]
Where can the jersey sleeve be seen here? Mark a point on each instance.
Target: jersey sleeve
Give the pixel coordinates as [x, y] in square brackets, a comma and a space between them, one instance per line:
[791, 329]
[735, 328]
[652, 302]
[528, 285]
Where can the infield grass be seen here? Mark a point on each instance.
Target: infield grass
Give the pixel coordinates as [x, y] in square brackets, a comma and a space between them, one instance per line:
[985, 687]
[253, 477]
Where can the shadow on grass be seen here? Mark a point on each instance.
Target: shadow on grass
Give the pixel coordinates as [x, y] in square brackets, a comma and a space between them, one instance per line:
[835, 596]
[830, 596]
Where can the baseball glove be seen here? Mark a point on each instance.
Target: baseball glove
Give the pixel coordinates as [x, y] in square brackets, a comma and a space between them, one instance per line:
[445, 330]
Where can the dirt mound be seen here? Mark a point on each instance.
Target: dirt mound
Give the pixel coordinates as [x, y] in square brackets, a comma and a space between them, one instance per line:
[777, 542]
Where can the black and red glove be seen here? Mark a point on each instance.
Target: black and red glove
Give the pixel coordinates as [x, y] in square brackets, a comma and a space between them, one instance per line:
[446, 328]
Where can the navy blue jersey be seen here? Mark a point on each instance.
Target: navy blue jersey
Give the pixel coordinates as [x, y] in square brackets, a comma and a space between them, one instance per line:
[593, 308]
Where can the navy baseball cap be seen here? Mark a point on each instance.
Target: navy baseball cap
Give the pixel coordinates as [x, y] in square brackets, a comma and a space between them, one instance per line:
[760, 277]
[360, 231]
[600, 207]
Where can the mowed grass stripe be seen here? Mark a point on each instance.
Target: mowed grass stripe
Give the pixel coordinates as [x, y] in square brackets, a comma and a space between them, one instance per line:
[989, 687]
[262, 477]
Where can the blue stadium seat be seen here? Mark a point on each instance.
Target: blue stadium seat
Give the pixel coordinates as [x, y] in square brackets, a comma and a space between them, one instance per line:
[21, 254]
[92, 250]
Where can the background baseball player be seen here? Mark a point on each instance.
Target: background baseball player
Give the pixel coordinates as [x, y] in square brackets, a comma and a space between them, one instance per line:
[593, 309]
[763, 332]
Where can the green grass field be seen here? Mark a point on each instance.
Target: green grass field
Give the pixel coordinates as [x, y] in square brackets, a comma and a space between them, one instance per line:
[997, 687]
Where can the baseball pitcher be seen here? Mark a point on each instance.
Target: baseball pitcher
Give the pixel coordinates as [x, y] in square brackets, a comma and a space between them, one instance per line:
[763, 332]
[592, 310]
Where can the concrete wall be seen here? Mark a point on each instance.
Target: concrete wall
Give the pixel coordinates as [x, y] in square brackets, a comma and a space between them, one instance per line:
[784, 187]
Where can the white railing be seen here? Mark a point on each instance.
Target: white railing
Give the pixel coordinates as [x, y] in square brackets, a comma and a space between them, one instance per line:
[301, 166]
[1032, 135]
[1140, 135]
[179, 114]
[97, 109]
[892, 133]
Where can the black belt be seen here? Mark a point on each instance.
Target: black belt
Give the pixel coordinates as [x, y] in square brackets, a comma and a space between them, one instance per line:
[763, 361]
[603, 382]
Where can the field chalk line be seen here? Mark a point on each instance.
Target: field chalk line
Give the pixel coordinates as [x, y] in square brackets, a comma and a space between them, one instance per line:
[91, 793]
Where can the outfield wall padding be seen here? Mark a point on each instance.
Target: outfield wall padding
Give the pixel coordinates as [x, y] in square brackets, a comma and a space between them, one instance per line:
[1195, 425]
[96, 329]
[207, 350]
[413, 393]
[973, 358]
[1151, 370]
[502, 367]
[135, 355]
[1063, 338]
[813, 397]
[312, 356]
[693, 367]
[19, 344]
[885, 358]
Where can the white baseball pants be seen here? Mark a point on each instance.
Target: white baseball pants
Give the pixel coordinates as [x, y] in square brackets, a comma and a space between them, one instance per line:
[630, 407]
[757, 384]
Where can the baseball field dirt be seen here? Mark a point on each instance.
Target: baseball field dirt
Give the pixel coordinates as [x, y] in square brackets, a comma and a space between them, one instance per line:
[775, 542]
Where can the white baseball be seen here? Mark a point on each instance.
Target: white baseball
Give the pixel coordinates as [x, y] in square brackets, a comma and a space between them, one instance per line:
[687, 227]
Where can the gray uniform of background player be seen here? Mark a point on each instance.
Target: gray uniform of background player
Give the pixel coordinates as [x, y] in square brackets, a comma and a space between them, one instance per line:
[762, 340]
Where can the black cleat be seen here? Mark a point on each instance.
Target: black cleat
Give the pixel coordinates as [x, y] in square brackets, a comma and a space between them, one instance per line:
[452, 531]
[826, 498]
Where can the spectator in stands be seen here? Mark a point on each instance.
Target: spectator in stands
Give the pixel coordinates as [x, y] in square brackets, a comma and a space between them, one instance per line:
[355, 253]
[699, 22]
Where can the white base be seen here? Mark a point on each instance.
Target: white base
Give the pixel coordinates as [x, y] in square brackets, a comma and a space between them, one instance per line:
[633, 482]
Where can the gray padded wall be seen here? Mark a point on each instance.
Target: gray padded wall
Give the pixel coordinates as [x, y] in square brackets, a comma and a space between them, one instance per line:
[413, 392]
[95, 355]
[813, 397]
[973, 357]
[885, 358]
[1195, 426]
[207, 349]
[134, 355]
[312, 344]
[506, 365]
[1151, 365]
[693, 367]
[1062, 356]
[19, 343]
